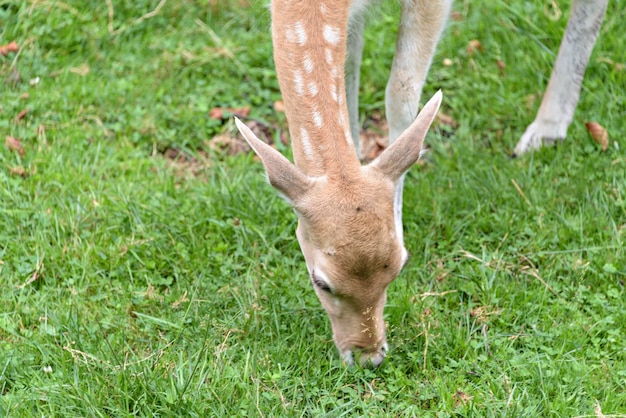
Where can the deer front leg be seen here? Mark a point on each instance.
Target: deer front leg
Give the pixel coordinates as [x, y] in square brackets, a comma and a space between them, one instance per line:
[421, 25]
[561, 97]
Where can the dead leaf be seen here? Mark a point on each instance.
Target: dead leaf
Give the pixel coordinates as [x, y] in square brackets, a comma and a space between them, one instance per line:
[220, 113]
[18, 171]
[10, 47]
[456, 16]
[482, 313]
[462, 398]
[82, 70]
[473, 46]
[39, 269]
[180, 300]
[22, 114]
[373, 137]
[242, 112]
[279, 106]
[599, 134]
[501, 66]
[14, 144]
[216, 113]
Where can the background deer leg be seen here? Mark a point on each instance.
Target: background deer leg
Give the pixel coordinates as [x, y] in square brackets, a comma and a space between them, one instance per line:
[421, 25]
[353, 74]
[561, 97]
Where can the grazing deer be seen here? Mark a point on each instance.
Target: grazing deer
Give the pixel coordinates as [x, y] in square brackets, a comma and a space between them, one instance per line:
[350, 216]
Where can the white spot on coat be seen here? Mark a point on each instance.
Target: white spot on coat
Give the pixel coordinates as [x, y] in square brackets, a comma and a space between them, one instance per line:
[313, 88]
[300, 32]
[329, 56]
[308, 64]
[331, 34]
[317, 119]
[298, 82]
[307, 147]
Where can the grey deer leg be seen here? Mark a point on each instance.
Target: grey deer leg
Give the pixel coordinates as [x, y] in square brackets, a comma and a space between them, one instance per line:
[353, 74]
[421, 25]
[561, 97]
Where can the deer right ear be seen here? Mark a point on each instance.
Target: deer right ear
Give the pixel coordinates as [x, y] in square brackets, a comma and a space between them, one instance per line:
[285, 177]
[406, 150]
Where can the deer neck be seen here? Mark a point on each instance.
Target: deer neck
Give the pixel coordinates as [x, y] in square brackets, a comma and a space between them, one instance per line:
[309, 39]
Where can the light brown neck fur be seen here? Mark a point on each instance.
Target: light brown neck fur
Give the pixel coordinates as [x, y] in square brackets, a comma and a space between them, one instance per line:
[309, 50]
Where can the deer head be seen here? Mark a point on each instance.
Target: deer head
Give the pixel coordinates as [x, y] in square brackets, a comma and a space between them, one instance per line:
[347, 227]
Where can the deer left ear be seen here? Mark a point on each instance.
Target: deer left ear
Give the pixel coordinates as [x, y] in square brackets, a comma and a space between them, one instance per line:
[405, 151]
[281, 173]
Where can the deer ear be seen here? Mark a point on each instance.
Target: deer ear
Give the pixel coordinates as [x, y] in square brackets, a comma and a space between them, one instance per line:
[281, 173]
[405, 151]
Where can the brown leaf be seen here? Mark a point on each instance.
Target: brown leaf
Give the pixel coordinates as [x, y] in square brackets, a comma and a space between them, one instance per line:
[216, 113]
[279, 106]
[10, 47]
[473, 46]
[220, 113]
[456, 16]
[599, 134]
[482, 313]
[14, 144]
[18, 171]
[462, 398]
[22, 114]
[82, 70]
[242, 112]
[501, 66]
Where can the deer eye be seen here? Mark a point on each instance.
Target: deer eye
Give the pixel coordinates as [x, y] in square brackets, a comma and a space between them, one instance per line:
[319, 283]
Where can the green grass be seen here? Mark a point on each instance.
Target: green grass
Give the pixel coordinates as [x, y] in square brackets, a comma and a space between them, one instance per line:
[133, 284]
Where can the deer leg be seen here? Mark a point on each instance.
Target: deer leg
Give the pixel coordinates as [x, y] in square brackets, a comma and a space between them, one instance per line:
[421, 25]
[353, 75]
[561, 97]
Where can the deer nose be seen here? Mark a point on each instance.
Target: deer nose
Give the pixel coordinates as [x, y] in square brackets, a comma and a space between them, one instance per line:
[373, 359]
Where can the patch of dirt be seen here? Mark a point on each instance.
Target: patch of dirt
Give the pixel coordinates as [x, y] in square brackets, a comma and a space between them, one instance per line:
[374, 137]
[184, 165]
[234, 144]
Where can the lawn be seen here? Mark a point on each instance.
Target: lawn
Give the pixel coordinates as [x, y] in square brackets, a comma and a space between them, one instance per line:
[146, 270]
